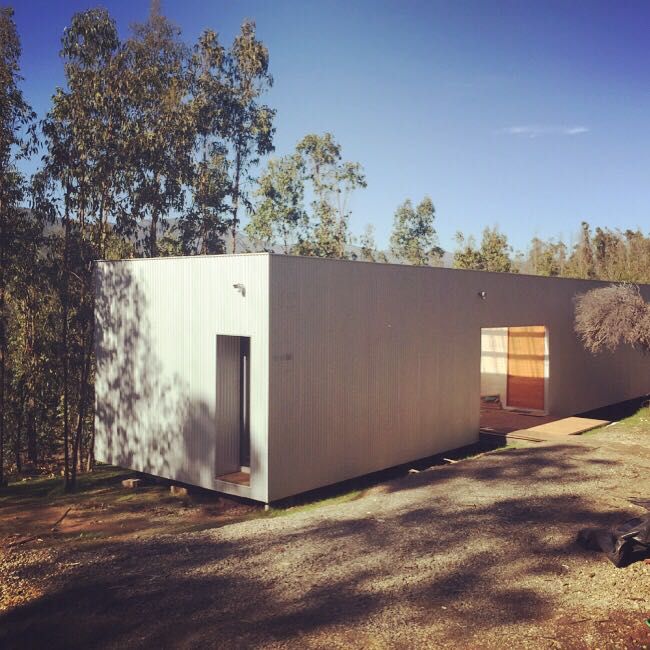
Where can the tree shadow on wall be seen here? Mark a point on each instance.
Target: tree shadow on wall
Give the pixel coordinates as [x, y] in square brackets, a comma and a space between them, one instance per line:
[147, 418]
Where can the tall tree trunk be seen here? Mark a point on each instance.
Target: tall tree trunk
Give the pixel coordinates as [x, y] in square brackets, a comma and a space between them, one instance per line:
[153, 235]
[32, 444]
[83, 404]
[90, 458]
[85, 392]
[88, 337]
[66, 356]
[2, 391]
[18, 447]
[30, 410]
[3, 343]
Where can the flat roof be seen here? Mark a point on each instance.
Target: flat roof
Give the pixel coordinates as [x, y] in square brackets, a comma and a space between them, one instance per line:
[310, 258]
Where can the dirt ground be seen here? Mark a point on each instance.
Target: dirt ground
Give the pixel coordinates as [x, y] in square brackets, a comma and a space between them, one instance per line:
[476, 554]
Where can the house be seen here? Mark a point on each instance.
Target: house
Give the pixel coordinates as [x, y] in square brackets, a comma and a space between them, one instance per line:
[266, 376]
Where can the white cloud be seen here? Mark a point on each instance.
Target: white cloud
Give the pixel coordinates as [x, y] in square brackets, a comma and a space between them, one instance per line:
[536, 130]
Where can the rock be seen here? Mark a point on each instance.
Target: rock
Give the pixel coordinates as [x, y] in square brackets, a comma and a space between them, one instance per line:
[178, 490]
[132, 483]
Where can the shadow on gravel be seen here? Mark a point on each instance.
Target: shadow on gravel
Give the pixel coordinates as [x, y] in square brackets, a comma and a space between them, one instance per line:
[437, 555]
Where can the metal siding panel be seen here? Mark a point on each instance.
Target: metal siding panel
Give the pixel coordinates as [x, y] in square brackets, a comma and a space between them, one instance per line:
[156, 398]
[373, 365]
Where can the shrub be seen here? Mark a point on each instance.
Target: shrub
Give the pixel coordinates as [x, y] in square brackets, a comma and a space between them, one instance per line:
[609, 316]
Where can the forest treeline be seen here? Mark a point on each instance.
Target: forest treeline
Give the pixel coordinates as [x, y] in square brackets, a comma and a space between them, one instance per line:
[156, 147]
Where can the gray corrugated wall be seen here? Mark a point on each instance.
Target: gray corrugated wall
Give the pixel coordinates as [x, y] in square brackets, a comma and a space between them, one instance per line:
[157, 326]
[374, 365]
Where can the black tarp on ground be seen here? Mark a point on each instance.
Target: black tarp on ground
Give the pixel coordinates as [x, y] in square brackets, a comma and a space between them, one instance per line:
[623, 544]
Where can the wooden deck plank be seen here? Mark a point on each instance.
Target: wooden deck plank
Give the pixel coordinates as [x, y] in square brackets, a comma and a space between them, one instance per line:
[240, 478]
[569, 426]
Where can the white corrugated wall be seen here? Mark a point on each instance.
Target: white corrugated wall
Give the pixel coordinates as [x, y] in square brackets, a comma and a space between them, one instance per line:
[158, 320]
[373, 365]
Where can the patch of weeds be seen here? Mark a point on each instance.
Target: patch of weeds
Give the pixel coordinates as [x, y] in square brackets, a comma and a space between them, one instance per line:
[515, 444]
[339, 499]
[51, 488]
[29, 490]
[638, 422]
[143, 495]
[593, 432]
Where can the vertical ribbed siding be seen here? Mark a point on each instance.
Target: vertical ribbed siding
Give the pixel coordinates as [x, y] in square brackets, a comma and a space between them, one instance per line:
[156, 385]
[374, 365]
[370, 365]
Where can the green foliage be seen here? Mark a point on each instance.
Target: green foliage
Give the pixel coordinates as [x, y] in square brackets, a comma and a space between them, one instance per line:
[332, 180]
[467, 256]
[414, 238]
[606, 255]
[280, 217]
[581, 263]
[493, 254]
[203, 226]
[140, 131]
[247, 126]
[161, 128]
[369, 251]
[82, 183]
[548, 258]
[495, 251]
[15, 116]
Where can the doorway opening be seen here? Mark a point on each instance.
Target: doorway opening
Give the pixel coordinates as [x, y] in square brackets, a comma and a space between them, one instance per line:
[514, 377]
[232, 458]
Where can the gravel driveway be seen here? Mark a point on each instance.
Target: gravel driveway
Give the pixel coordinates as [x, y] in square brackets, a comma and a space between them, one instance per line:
[478, 554]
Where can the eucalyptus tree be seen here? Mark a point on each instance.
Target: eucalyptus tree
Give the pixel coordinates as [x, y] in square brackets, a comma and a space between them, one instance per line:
[204, 224]
[414, 238]
[467, 255]
[581, 263]
[279, 216]
[248, 125]
[332, 181]
[547, 258]
[367, 244]
[87, 152]
[492, 255]
[32, 354]
[161, 131]
[15, 118]
[637, 254]
[369, 251]
[496, 251]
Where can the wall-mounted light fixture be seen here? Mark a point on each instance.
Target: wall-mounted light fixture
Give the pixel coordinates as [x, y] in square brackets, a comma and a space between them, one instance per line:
[482, 295]
[240, 287]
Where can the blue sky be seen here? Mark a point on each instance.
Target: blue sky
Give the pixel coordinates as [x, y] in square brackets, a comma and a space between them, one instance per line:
[530, 115]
